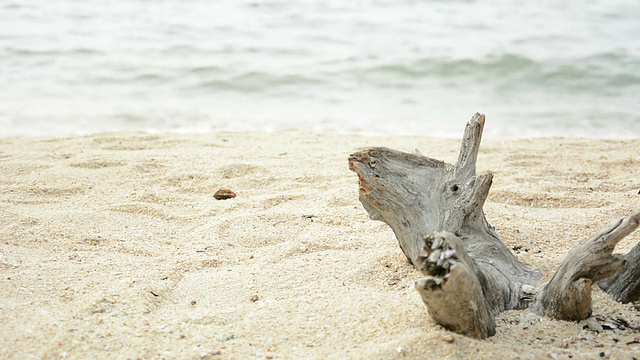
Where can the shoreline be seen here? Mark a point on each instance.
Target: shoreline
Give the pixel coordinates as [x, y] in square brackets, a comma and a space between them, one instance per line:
[488, 135]
[113, 244]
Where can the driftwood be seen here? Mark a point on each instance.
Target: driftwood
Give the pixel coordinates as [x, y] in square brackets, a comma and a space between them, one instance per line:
[624, 286]
[567, 296]
[436, 212]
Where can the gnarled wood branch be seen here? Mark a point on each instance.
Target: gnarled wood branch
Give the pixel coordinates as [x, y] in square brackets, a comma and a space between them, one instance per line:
[452, 286]
[435, 210]
[624, 286]
[568, 295]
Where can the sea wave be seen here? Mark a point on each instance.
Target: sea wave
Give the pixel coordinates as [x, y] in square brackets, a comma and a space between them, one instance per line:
[376, 66]
[610, 70]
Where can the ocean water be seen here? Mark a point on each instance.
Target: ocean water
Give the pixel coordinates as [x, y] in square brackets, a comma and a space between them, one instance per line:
[376, 67]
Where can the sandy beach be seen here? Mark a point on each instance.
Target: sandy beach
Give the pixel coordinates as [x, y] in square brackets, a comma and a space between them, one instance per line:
[113, 246]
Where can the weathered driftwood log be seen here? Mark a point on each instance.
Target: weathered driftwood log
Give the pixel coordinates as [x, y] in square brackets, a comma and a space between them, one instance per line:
[435, 211]
[624, 286]
[568, 295]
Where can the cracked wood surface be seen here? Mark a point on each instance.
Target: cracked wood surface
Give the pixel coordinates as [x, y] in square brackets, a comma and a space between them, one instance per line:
[475, 276]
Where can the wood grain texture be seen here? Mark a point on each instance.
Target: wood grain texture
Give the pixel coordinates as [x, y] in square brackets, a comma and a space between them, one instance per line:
[435, 210]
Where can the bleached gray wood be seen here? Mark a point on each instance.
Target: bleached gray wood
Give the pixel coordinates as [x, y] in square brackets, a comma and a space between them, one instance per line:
[568, 295]
[435, 210]
[417, 196]
[624, 286]
[452, 286]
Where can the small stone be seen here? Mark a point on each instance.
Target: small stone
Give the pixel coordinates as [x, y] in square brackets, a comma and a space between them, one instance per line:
[224, 194]
[593, 325]
[254, 298]
[532, 316]
[448, 339]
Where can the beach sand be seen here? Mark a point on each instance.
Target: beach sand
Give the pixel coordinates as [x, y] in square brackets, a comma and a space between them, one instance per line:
[113, 246]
